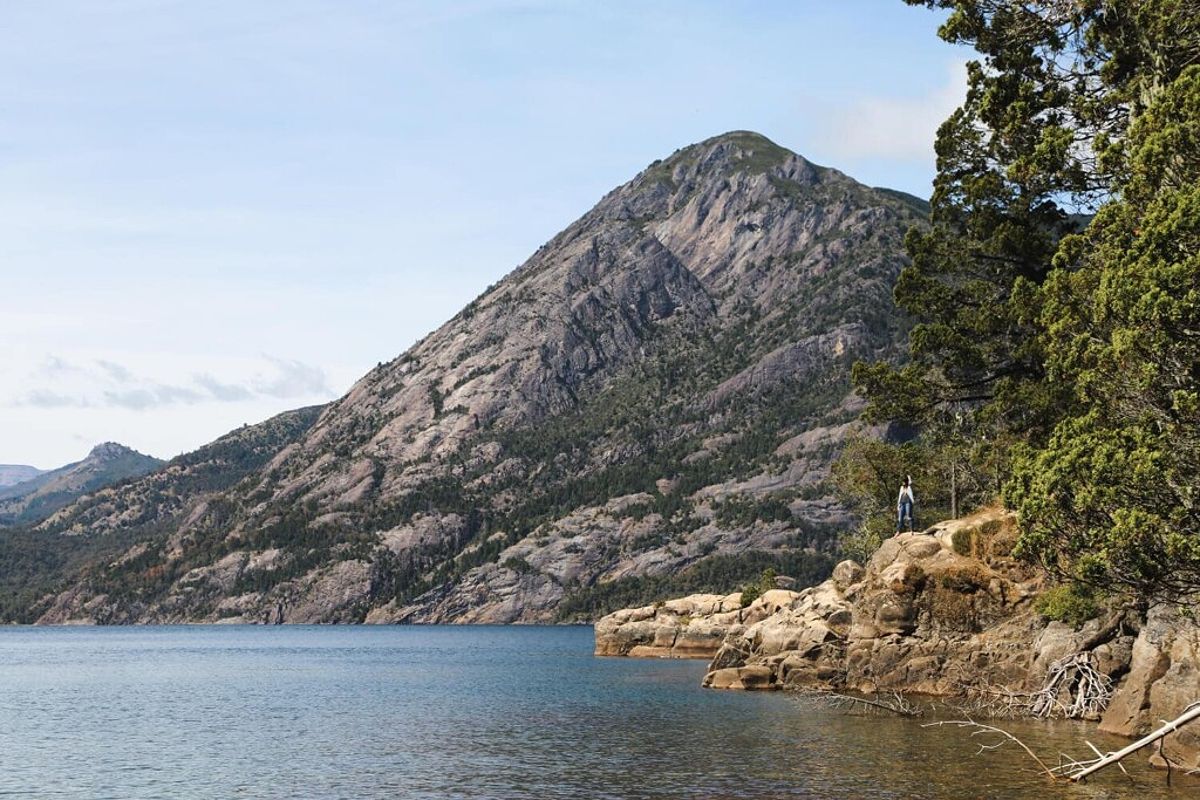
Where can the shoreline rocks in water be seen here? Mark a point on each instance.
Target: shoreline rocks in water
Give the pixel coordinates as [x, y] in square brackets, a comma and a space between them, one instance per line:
[942, 613]
[689, 627]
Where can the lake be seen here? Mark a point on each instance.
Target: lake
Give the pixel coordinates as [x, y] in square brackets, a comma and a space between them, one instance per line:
[459, 712]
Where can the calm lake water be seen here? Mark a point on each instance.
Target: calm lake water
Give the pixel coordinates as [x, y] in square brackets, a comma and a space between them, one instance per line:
[444, 712]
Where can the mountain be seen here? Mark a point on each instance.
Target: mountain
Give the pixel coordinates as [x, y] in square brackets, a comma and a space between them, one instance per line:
[119, 520]
[652, 400]
[17, 473]
[46, 492]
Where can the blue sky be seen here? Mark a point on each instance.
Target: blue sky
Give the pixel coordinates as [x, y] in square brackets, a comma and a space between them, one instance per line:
[212, 212]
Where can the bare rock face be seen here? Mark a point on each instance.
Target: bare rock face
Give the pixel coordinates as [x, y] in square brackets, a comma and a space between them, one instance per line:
[1163, 680]
[661, 386]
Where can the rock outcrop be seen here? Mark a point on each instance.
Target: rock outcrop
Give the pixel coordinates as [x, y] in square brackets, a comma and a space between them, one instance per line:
[1163, 680]
[930, 613]
[689, 627]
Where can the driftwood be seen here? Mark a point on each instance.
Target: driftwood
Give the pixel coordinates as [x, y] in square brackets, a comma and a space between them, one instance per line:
[1071, 769]
[1088, 690]
[1073, 689]
[983, 700]
[1083, 769]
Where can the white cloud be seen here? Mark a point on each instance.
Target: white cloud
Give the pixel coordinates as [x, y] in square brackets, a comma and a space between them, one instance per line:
[891, 127]
[292, 379]
[226, 392]
[102, 383]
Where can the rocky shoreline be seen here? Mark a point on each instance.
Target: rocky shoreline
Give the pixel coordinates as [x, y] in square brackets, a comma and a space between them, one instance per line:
[946, 612]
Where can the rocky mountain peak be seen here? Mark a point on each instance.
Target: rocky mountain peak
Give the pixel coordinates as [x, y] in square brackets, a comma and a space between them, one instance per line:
[110, 451]
[693, 330]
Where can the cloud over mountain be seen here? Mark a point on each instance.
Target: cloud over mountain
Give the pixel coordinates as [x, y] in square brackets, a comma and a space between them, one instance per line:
[102, 383]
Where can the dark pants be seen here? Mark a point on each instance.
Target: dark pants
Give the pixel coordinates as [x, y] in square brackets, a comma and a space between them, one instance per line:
[903, 511]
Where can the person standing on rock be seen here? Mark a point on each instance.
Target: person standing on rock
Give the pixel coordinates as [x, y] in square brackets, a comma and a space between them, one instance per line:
[904, 505]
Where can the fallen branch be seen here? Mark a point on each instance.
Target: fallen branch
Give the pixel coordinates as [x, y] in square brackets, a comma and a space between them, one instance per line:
[1121, 766]
[895, 703]
[981, 728]
[1190, 713]
[983, 699]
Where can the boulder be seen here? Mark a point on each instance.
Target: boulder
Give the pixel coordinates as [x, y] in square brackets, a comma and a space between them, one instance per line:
[753, 678]
[846, 574]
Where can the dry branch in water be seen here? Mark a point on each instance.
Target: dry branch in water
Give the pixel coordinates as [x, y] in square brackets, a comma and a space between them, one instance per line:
[889, 703]
[1080, 770]
[1071, 769]
[981, 729]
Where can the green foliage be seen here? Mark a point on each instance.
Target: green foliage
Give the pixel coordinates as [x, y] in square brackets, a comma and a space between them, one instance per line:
[518, 565]
[437, 400]
[32, 564]
[867, 478]
[749, 594]
[861, 542]
[753, 591]
[1068, 340]
[741, 511]
[1069, 603]
[1111, 498]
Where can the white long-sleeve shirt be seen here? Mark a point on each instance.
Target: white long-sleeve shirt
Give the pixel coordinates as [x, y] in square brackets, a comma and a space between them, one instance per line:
[906, 493]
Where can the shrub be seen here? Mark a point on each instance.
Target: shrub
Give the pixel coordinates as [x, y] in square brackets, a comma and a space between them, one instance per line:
[753, 591]
[518, 565]
[967, 579]
[1069, 603]
[861, 543]
[963, 541]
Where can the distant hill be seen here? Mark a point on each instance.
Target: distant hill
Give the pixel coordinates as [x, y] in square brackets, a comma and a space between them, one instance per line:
[652, 401]
[43, 493]
[17, 473]
[117, 520]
